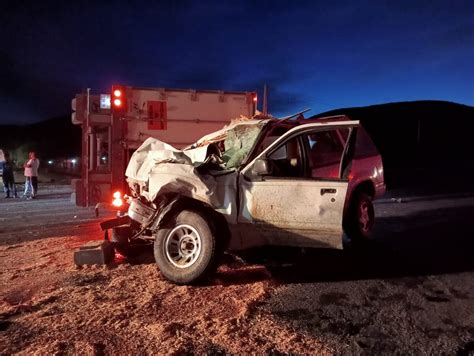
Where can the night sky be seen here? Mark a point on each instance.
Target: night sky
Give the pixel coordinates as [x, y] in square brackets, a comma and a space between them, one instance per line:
[323, 55]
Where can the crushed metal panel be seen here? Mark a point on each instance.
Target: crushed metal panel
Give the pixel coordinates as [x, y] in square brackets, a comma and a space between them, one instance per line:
[153, 151]
[169, 170]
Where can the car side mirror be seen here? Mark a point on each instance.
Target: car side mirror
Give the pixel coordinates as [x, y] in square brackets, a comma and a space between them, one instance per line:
[260, 167]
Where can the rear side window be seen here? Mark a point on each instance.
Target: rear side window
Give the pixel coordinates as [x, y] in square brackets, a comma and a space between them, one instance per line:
[364, 146]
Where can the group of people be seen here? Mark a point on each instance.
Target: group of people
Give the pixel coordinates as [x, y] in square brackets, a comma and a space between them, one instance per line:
[31, 176]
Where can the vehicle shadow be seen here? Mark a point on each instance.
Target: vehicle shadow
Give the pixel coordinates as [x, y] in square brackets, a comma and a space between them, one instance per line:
[231, 271]
[432, 242]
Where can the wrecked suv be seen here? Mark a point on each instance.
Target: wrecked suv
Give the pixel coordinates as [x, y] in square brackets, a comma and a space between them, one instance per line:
[256, 182]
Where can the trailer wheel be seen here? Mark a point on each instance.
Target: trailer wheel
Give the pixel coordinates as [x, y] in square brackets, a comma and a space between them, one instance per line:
[185, 248]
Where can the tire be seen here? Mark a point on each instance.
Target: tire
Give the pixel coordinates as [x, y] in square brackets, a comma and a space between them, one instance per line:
[361, 219]
[186, 249]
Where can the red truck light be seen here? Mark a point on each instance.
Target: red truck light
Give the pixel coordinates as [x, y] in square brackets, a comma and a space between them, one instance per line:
[117, 202]
[119, 98]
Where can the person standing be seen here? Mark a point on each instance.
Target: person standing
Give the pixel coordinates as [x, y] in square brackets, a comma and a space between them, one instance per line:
[8, 177]
[31, 175]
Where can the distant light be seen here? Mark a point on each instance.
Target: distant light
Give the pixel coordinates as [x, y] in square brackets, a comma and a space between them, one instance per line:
[117, 93]
[104, 158]
[73, 161]
[50, 162]
[255, 98]
[105, 101]
[117, 102]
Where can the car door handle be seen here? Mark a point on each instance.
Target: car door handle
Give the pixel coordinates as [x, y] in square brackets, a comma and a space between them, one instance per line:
[328, 191]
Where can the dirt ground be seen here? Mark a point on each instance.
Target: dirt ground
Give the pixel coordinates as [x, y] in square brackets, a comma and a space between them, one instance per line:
[410, 291]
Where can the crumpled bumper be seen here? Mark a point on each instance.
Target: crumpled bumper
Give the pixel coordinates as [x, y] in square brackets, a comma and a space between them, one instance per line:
[111, 223]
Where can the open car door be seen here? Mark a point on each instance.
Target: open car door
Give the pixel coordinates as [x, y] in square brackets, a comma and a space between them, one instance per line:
[294, 192]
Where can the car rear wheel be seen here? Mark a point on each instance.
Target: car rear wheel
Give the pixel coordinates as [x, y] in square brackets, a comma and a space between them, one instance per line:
[361, 217]
[185, 248]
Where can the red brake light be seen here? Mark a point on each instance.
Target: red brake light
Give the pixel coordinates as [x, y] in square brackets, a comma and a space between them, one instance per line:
[255, 98]
[117, 202]
[119, 99]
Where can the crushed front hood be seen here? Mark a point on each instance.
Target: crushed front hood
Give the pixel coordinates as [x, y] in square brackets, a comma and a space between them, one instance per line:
[206, 171]
[163, 168]
[153, 152]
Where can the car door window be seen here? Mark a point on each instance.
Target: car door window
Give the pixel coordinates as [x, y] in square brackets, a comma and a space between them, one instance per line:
[287, 160]
[324, 151]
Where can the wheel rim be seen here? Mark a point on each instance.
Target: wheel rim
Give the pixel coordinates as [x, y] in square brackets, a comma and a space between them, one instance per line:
[183, 246]
[365, 217]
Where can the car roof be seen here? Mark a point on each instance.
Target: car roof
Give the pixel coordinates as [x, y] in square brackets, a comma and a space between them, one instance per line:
[301, 120]
[335, 118]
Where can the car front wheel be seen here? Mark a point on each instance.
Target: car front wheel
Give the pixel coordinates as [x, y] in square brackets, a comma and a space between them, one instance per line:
[185, 248]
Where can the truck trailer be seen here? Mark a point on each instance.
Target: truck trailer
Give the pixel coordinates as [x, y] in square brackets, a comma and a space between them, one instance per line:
[114, 125]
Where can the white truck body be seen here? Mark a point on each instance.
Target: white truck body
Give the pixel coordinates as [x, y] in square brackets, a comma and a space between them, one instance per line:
[176, 116]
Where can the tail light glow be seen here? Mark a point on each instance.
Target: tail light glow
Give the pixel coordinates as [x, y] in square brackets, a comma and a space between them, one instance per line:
[119, 99]
[117, 201]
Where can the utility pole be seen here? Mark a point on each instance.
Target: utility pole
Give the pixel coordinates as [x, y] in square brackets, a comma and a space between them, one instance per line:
[265, 109]
[86, 159]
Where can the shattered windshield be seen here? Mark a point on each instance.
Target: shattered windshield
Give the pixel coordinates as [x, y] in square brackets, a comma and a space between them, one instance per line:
[238, 143]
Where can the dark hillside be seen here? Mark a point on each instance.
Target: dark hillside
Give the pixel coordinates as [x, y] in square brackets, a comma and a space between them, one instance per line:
[53, 138]
[421, 140]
